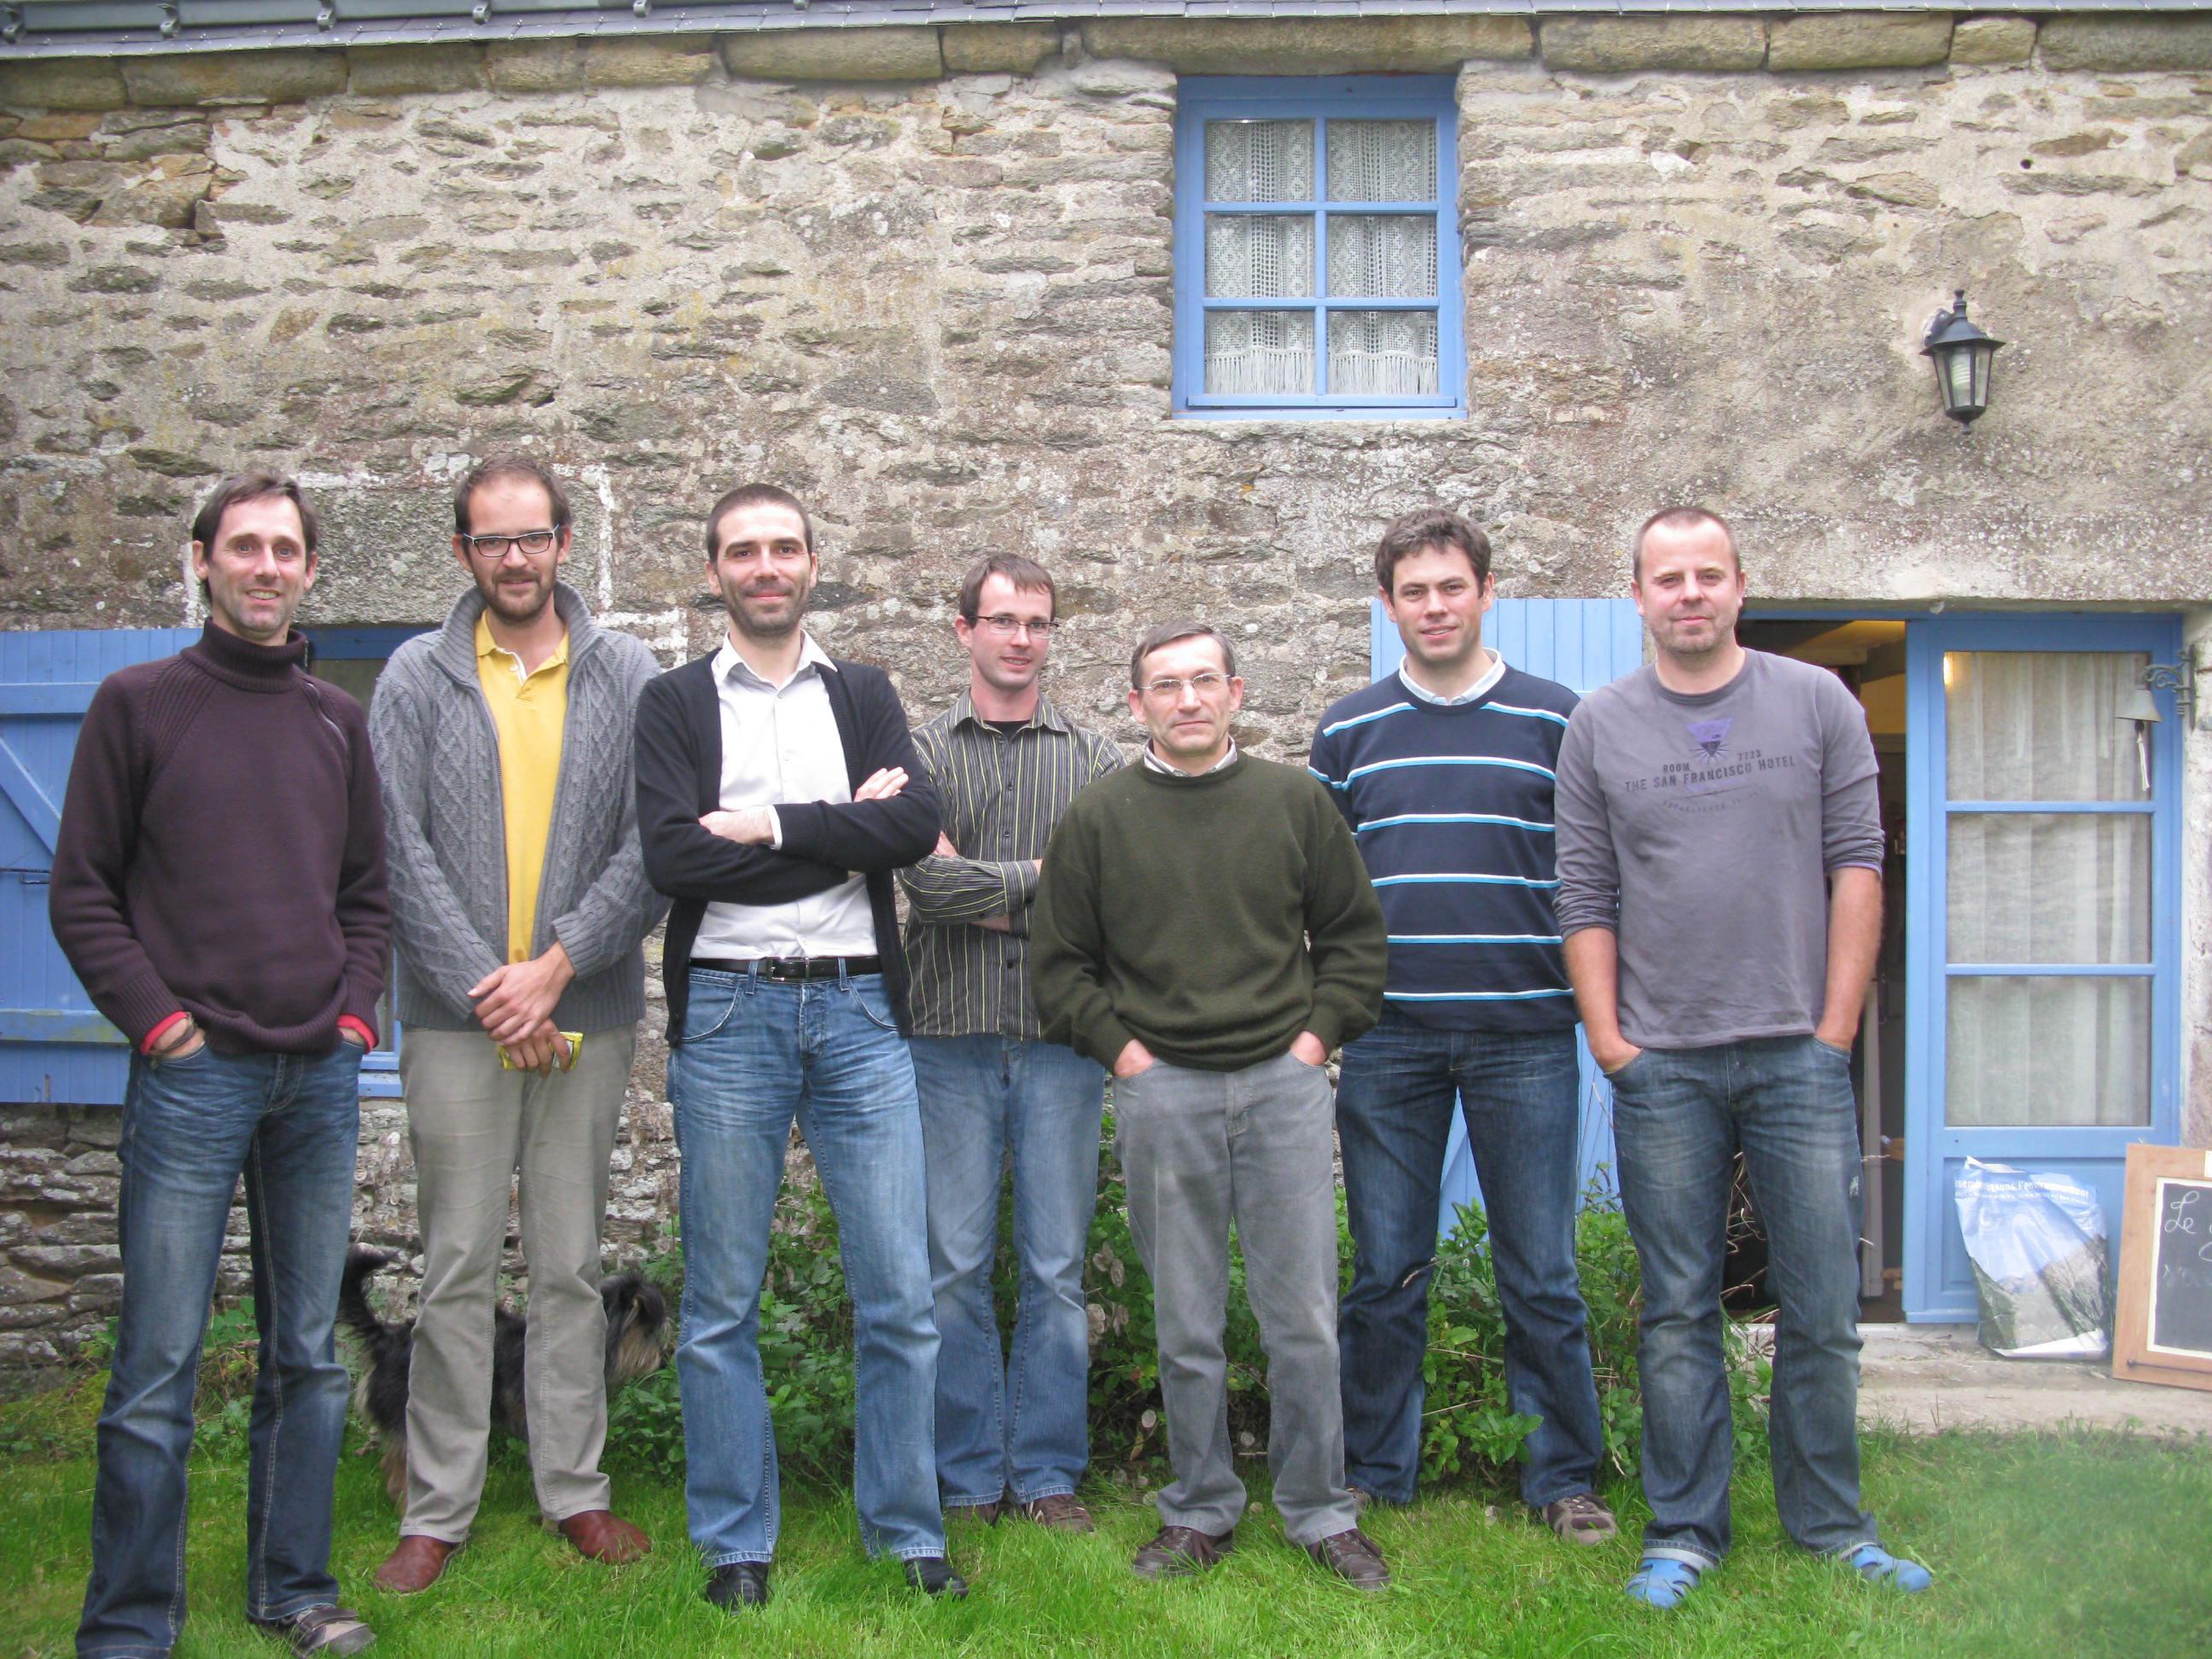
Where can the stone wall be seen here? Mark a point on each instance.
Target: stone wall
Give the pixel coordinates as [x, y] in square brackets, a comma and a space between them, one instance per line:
[924, 278]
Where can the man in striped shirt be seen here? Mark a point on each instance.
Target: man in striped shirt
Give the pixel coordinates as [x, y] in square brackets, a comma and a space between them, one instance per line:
[1444, 771]
[1007, 763]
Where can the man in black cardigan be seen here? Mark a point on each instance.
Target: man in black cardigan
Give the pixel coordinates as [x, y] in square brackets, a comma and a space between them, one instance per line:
[777, 791]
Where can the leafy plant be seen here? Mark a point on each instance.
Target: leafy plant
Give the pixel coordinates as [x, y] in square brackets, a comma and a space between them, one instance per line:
[1469, 1429]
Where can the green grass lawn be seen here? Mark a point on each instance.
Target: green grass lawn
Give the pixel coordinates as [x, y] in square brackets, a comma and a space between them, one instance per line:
[2044, 1548]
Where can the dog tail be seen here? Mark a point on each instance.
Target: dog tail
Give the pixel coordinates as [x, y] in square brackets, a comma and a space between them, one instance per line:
[376, 1338]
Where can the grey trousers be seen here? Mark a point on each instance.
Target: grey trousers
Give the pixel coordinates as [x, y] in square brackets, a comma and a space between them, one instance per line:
[473, 1125]
[1200, 1150]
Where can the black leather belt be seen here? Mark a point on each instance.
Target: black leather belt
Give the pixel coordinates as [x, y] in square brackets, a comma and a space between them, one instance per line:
[790, 968]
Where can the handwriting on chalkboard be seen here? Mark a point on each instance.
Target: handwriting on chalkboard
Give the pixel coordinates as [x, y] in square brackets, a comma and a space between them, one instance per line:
[2181, 1288]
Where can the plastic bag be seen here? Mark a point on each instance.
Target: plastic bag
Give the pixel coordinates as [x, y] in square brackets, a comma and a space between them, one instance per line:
[2037, 1244]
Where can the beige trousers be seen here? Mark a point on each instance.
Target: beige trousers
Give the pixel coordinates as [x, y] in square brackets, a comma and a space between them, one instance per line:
[473, 1125]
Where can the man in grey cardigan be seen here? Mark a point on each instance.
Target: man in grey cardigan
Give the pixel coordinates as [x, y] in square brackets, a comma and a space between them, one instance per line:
[520, 901]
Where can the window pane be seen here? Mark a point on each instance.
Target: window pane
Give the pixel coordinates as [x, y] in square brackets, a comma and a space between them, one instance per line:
[1259, 351]
[1260, 161]
[1259, 256]
[2048, 1052]
[1376, 256]
[2050, 887]
[1381, 160]
[357, 676]
[2042, 725]
[1382, 353]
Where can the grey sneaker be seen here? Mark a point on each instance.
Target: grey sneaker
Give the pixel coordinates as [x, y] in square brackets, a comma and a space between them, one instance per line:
[1581, 1519]
[1352, 1556]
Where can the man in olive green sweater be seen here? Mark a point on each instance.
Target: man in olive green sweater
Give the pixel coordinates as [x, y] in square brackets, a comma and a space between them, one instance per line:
[1204, 928]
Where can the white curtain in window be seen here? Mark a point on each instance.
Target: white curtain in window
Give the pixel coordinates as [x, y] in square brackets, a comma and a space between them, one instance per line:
[2047, 888]
[1382, 353]
[1259, 161]
[1259, 256]
[1383, 256]
[1381, 160]
[1259, 351]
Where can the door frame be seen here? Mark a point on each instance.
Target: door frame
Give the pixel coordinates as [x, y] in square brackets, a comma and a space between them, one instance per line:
[1931, 1228]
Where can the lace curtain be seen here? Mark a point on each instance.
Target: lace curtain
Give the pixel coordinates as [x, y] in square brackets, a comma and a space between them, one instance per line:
[2047, 888]
[1368, 256]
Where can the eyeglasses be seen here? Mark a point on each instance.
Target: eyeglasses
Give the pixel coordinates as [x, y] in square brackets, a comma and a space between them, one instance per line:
[1167, 688]
[1006, 627]
[532, 542]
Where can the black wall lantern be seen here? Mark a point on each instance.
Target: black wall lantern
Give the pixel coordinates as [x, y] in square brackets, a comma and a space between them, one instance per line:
[1962, 354]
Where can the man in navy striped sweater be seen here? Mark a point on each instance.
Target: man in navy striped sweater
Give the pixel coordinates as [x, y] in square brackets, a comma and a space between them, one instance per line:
[1444, 771]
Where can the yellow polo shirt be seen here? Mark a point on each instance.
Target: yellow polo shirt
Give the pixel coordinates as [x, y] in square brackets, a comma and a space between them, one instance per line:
[529, 712]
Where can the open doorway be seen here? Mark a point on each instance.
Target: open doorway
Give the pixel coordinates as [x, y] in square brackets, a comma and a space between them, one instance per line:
[1870, 657]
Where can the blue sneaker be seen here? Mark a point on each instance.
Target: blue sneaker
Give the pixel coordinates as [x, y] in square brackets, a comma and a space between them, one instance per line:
[1662, 1581]
[1878, 1566]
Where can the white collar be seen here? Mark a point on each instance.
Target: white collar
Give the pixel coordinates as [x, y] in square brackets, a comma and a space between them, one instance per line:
[1481, 687]
[727, 662]
[1159, 765]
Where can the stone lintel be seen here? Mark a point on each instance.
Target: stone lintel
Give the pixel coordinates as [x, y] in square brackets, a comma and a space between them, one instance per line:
[1620, 46]
[385, 71]
[652, 60]
[548, 65]
[2125, 44]
[895, 53]
[219, 77]
[998, 48]
[1856, 40]
[1993, 40]
[62, 83]
[1285, 45]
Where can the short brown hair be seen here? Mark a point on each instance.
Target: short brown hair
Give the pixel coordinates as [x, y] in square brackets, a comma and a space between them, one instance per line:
[255, 485]
[495, 467]
[1167, 633]
[1679, 518]
[754, 495]
[1024, 573]
[1429, 526]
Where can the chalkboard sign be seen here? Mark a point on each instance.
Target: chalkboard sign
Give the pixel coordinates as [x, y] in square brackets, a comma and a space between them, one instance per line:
[2164, 1330]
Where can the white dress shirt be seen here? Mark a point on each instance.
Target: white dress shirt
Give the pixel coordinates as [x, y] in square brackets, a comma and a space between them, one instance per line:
[780, 743]
[1481, 687]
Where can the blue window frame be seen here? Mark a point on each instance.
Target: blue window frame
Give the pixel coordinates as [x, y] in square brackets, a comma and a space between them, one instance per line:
[1317, 260]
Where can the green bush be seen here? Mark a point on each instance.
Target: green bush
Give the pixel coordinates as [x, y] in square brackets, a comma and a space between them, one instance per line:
[1469, 1429]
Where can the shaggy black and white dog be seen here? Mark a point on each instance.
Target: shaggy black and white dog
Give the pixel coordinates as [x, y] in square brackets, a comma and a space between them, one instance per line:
[637, 1315]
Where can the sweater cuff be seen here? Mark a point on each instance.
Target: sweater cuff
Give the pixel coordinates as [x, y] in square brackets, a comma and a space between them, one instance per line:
[1328, 1024]
[348, 1023]
[146, 1043]
[1105, 1037]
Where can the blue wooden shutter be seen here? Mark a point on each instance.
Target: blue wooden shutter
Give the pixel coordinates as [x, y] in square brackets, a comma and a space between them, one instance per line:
[1582, 644]
[53, 1046]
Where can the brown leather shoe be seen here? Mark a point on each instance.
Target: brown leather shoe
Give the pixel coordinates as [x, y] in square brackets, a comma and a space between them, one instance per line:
[415, 1565]
[1061, 1512]
[1352, 1557]
[602, 1535]
[1178, 1551]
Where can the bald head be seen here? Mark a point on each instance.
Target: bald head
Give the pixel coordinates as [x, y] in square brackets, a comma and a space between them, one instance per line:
[1679, 521]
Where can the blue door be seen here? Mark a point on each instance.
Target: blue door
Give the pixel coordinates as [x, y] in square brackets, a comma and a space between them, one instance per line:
[2043, 932]
[53, 1046]
[1582, 644]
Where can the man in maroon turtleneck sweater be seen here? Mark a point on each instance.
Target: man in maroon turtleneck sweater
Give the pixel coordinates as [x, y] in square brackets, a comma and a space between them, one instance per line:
[219, 887]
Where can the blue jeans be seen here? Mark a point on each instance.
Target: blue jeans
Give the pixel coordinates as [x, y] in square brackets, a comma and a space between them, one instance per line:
[1394, 1108]
[1018, 1420]
[291, 1123]
[756, 1052]
[1679, 1117]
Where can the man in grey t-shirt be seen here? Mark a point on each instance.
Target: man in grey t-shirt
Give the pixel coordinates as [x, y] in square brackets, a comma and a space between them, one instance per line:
[1720, 896]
